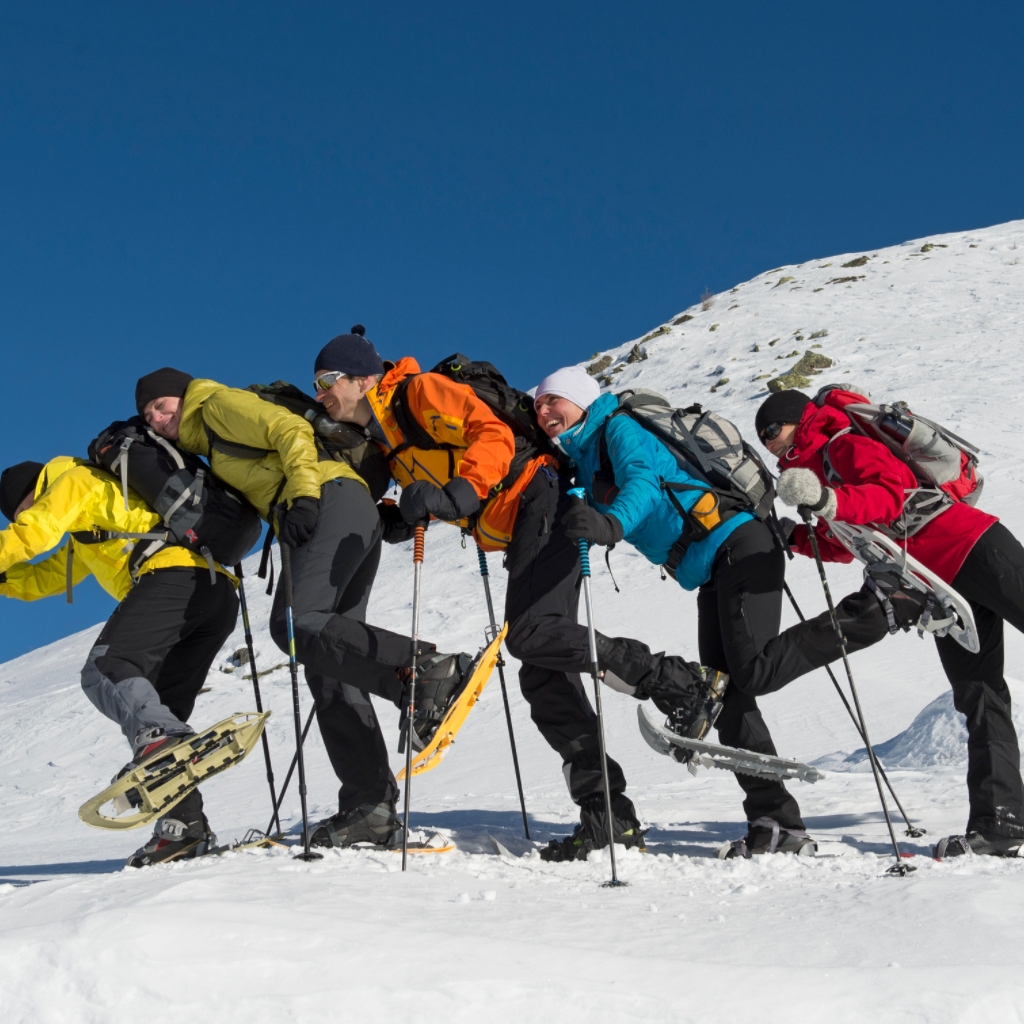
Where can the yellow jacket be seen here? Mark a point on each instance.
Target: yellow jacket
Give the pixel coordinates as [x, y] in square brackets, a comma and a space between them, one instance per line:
[73, 496]
[243, 420]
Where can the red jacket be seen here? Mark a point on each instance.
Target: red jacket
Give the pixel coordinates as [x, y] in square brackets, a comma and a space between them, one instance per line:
[873, 489]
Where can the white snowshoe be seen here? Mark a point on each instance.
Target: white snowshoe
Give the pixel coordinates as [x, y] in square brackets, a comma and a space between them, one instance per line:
[697, 753]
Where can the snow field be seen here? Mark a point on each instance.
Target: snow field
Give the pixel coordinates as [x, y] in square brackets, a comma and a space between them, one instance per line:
[260, 937]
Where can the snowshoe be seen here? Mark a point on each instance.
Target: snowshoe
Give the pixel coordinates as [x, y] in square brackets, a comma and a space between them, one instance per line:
[172, 771]
[375, 825]
[766, 835]
[977, 843]
[183, 835]
[700, 753]
[578, 845]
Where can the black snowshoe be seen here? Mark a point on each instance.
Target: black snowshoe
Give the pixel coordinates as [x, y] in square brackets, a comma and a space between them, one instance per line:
[977, 843]
[766, 835]
[368, 824]
[181, 834]
[592, 831]
[440, 678]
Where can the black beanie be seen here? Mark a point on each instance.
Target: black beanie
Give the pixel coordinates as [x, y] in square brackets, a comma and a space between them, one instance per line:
[164, 383]
[350, 353]
[16, 482]
[782, 407]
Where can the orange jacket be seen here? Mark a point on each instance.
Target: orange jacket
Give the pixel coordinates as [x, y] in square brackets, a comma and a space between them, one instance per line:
[481, 446]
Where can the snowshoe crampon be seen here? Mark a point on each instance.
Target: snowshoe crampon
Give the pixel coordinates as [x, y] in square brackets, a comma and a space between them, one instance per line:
[875, 549]
[696, 753]
[158, 784]
[478, 676]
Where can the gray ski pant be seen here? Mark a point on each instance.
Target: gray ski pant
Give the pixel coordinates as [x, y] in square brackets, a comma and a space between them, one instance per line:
[153, 655]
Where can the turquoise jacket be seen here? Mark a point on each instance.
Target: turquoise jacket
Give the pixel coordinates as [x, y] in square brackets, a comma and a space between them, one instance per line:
[649, 520]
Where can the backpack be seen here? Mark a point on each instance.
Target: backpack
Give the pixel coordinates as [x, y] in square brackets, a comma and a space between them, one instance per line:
[338, 442]
[513, 407]
[945, 465]
[199, 512]
[706, 446]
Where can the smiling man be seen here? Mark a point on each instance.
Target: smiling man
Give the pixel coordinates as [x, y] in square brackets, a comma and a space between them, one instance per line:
[322, 508]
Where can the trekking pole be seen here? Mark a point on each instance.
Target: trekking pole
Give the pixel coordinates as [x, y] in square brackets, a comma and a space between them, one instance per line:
[899, 868]
[293, 665]
[914, 831]
[256, 693]
[417, 564]
[288, 777]
[578, 496]
[501, 679]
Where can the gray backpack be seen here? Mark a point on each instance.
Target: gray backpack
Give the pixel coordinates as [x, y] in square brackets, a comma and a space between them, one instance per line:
[705, 445]
[946, 466]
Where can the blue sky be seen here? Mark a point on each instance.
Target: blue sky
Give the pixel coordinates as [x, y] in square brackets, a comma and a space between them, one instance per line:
[224, 187]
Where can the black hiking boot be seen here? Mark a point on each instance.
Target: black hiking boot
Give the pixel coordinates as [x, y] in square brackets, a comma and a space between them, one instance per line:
[690, 694]
[766, 835]
[592, 831]
[977, 843]
[440, 678]
[905, 606]
[580, 843]
[181, 834]
[692, 714]
[372, 824]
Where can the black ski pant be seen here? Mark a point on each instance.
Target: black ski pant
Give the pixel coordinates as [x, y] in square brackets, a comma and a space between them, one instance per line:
[345, 658]
[541, 608]
[738, 613]
[152, 657]
[992, 581]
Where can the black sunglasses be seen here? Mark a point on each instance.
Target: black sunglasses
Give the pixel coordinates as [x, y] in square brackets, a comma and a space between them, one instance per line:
[772, 431]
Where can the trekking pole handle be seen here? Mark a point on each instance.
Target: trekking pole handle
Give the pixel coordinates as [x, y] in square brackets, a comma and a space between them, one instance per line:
[417, 544]
[482, 558]
[579, 497]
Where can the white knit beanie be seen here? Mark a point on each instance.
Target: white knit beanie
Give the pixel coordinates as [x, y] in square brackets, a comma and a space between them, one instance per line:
[573, 383]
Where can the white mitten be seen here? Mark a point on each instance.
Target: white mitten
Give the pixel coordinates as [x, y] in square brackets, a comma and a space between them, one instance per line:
[800, 487]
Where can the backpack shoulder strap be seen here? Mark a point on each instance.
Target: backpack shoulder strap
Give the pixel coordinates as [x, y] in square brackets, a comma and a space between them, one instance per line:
[832, 476]
[233, 448]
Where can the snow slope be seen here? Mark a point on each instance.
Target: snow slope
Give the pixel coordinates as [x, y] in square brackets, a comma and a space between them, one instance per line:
[260, 937]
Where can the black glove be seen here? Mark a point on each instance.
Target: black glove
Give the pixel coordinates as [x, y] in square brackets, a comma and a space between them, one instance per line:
[296, 524]
[422, 499]
[786, 528]
[395, 528]
[586, 523]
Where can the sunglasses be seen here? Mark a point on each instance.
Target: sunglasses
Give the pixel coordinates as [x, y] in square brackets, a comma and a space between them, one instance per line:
[326, 381]
[772, 431]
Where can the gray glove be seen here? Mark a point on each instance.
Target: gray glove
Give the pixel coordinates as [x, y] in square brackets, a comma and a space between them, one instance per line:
[802, 489]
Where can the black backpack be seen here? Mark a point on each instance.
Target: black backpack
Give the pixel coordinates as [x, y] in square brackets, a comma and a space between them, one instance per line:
[512, 406]
[338, 442]
[199, 511]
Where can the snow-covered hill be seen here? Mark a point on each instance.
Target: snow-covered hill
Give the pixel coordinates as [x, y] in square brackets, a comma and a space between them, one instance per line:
[259, 937]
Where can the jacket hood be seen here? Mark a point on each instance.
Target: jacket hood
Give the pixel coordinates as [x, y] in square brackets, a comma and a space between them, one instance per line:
[394, 374]
[56, 467]
[580, 436]
[817, 427]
